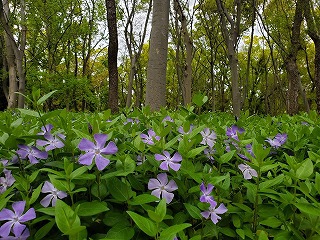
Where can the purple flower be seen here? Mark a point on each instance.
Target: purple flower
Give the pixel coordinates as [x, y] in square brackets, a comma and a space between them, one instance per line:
[247, 171]
[19, 235]
[52, 142]
[233, 131]
[167, 119]
[131, 120]
[208, 137]
[6, 181]
[149, 139]
[140, 159]
[209, 152]
[278, 140]
[213, 212]
[52, 196]
[161, 187]
[205, 197]
[15, 219]
[95, 151]
[249, 150]
[181, 130]
[168, 161]
[45, 129]
[32, 153]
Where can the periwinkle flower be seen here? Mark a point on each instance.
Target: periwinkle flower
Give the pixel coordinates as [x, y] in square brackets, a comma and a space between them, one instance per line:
[247, 171]
[95, 151]
[51, 142]
[32, 153]
[131, 120]
[206, 191]
[140, 159]
[167, 119]
[19, 235]
[45, 129]
[15, 219]
[208, 137]
[181, 130]
[53, 195]
[278, 140]
[6, 181]
[213, 212]
[149, 139]
[233, 131]
[168, 161]
[209, 152]
[162, 188]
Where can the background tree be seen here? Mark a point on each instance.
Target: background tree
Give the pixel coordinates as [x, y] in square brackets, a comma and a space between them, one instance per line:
[157, 63]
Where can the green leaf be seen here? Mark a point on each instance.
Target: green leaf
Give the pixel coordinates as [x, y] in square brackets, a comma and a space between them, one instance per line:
[142, 199]
[35, 194]
[308, 208]
[271, 182]
[92, 208]
[44, 230]
[272, 222]
[29, 112]
[78, 172]
[226, 157]
[305, 169]
[45, 97]
[193, 211]
[146, 225]
[161, 209]
[48, 211]
[194, 152]
[66, 219]
[119, 190]
[240, 232]
[120, 231]
[263, 235]
[170, 232]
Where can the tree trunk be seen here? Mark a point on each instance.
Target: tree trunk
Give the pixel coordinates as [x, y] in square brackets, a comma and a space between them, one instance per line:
[112, 56]
[157, 63]
[231, 39]
[291, 64]
[314, 33]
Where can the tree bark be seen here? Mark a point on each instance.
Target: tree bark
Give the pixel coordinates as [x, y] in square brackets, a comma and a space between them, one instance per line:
[157, 63]
[112, 56]
[231, 39]
[314, 33]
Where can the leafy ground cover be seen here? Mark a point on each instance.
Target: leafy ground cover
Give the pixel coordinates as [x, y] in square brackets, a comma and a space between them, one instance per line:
[163, 175]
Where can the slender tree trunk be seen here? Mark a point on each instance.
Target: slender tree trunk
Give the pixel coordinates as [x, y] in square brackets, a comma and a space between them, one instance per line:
[314, 33]
[157, 64]
[112, 56]
[231, 38]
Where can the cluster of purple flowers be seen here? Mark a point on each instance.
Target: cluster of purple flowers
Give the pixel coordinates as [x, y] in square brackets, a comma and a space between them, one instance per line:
[278, 140]
[8, 179]
[213, 212]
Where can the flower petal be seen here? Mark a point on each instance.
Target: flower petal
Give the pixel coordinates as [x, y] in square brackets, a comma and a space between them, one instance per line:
[101, 139]
[221, 209]
[86, 159]
[18, 207]
[205, 214]
[29, 215]
[171, 186]
[176, 157]
[159, 157]
[215, 218]
[86, 145]
[45, 202]
[6, 214]
[5, 229]
[164, 166]
[156, 193]
[163, 178]
[153, 184]
[175, 166]
[18, 228]
[111, 148]
[168, 196]
[48, 187]
[101, 162]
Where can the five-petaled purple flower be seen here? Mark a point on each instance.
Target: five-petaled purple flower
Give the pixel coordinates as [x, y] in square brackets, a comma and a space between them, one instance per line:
[53, 195]
[6, 181]
[206, 197]
[149, 139]
[208, 137]
[161, 187]
[213, 212]
[95, 151]
[32, 153]
[278, 140]
[172, 162]
[51, 142]
[15, 219]
[233, 131]
[247, 171]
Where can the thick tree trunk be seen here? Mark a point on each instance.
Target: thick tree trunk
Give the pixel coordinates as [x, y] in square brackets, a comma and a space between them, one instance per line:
[157, 64]
[112, 56]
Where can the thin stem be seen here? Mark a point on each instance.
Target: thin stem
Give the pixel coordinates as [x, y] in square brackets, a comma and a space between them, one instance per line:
[256, 203]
